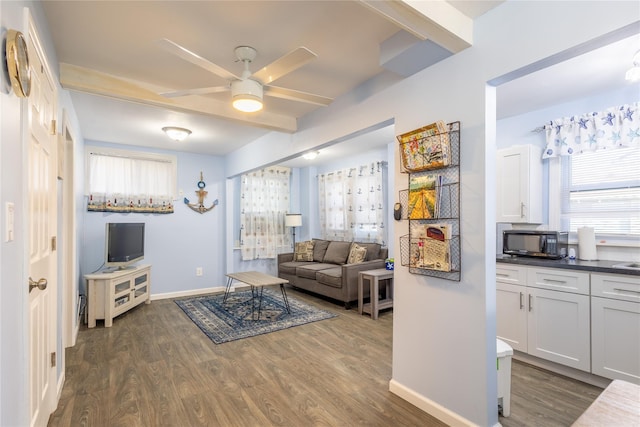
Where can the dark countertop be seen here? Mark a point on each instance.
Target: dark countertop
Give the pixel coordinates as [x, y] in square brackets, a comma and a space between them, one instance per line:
[575, 264]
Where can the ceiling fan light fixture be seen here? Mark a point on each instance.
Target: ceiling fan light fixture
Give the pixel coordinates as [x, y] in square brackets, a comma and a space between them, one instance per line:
[176, 133]
[246, 95]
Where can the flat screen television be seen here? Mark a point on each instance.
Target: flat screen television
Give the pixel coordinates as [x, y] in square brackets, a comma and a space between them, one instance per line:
[124, 244]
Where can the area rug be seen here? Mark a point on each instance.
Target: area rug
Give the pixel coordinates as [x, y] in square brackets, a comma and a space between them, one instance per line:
[232, 320]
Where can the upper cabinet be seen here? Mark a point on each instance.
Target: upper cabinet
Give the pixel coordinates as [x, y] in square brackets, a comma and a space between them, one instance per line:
[519, 182]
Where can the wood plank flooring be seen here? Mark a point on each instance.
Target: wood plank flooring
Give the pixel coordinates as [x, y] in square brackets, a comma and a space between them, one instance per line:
[154, 367]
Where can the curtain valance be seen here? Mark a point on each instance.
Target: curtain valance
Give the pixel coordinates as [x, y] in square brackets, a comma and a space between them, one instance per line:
[612, 128]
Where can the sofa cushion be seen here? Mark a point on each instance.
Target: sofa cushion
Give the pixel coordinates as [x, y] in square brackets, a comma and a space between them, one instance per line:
[330, 277]
[337, 252]
[319, 249]
[289, 267]
[304, 251]
[356, 254]
[373, 250]
[309, 270]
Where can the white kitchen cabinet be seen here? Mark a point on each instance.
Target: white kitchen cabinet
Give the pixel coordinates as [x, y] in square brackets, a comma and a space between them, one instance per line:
[511, 313]
[558, 327]
[615, 326]
[544, 313]
[519, 184]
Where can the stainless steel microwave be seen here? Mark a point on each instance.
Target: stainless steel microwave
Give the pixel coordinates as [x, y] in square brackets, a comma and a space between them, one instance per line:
[535, 243]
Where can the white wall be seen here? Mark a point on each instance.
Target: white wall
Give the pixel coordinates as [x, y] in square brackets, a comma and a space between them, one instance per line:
[444, 332]
[175, 244]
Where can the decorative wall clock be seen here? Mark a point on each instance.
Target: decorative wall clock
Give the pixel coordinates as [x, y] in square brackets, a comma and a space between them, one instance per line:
[18, 63]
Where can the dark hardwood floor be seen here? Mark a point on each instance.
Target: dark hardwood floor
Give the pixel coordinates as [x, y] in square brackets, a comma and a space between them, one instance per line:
[154, 367]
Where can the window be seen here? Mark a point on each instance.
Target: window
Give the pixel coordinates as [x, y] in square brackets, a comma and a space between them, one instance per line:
[127, 181]
[352, 204]
[601, 189]
[264, 201]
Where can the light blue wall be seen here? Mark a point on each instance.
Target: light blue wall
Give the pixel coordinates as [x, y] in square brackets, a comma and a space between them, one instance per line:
[445, 331]
[518, 130]
[304, 200]
[175, 244]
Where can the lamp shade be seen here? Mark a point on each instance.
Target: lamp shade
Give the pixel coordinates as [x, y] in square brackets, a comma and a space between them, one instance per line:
[293, 220]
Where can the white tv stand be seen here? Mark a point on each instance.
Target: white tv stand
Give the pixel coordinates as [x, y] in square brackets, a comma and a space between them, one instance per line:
[112, 293]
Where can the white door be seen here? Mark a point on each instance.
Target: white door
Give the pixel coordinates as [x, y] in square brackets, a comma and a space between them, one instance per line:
[42, 210]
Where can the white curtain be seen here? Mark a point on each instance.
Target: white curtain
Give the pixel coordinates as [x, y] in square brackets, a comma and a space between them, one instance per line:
[125, 184]
[352, 205]
[264, 201]
[612, 128]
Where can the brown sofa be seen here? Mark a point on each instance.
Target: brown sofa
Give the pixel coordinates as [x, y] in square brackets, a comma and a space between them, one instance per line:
[329, 274]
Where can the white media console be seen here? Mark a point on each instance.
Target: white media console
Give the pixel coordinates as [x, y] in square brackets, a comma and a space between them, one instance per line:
[113, 293]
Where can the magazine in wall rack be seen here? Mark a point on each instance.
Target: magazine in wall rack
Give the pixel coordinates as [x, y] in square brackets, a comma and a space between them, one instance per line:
[425, 148]
[424, 200]
[431, 247]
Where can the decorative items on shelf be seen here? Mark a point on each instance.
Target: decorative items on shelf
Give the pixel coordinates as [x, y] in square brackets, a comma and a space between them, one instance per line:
[201, 193]
[431, 156]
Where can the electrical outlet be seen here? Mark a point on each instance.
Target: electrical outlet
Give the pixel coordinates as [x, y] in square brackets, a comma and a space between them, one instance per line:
[199, 271]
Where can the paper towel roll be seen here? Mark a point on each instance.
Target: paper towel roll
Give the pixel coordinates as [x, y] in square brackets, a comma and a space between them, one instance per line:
[587, 244]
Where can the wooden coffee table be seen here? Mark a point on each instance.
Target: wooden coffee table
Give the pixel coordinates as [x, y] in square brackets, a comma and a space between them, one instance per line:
[257, 281]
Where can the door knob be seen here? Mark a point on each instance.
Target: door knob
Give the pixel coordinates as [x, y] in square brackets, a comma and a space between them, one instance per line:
[40, 284]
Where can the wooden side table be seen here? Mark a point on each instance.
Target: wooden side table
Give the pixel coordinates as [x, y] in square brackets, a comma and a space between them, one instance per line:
[374, 277]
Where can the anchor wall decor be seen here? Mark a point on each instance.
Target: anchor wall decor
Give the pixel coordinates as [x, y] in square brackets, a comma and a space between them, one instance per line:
[199, 207]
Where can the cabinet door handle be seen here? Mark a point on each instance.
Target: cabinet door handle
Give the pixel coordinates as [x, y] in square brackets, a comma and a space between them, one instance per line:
[502, 274]
[530, 302]
[521, 300]
[555, 281]
[521, 209]
[626, 290]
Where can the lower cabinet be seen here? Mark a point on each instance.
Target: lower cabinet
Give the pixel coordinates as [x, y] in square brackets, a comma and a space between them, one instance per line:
[543, 322]
[558, 327]
[615, 327]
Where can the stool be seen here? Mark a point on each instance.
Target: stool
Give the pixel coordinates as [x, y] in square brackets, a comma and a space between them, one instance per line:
[374, 277]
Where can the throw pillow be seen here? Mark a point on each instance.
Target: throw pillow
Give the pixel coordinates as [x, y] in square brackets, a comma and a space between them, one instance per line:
[337, 252]
[356, 254]
[304, 251]
[319, 249]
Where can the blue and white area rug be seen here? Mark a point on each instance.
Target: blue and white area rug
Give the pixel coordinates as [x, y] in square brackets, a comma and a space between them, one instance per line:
[233, 320]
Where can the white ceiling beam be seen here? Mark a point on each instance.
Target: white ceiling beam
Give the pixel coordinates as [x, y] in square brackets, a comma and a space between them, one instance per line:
[82, 79]
[435, 20]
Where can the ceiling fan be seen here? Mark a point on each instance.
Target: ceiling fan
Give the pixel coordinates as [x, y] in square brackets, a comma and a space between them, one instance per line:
[248, 89]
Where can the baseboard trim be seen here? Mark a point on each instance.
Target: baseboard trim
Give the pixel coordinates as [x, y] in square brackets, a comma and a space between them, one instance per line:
[194, 292]
[576, 374]
[430, 407]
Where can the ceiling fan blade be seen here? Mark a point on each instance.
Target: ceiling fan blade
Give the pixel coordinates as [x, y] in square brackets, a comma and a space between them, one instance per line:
[296, 95]
[197, 91]
[196, 59]
[284, 65]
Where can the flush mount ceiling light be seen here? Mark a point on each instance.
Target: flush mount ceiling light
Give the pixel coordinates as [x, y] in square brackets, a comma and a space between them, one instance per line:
[633, 73]
[176, 133]
[310, 155]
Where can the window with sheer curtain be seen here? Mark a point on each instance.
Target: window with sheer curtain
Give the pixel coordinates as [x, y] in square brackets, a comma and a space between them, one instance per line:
[264, 201]
[122, 181]
[352, 206]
